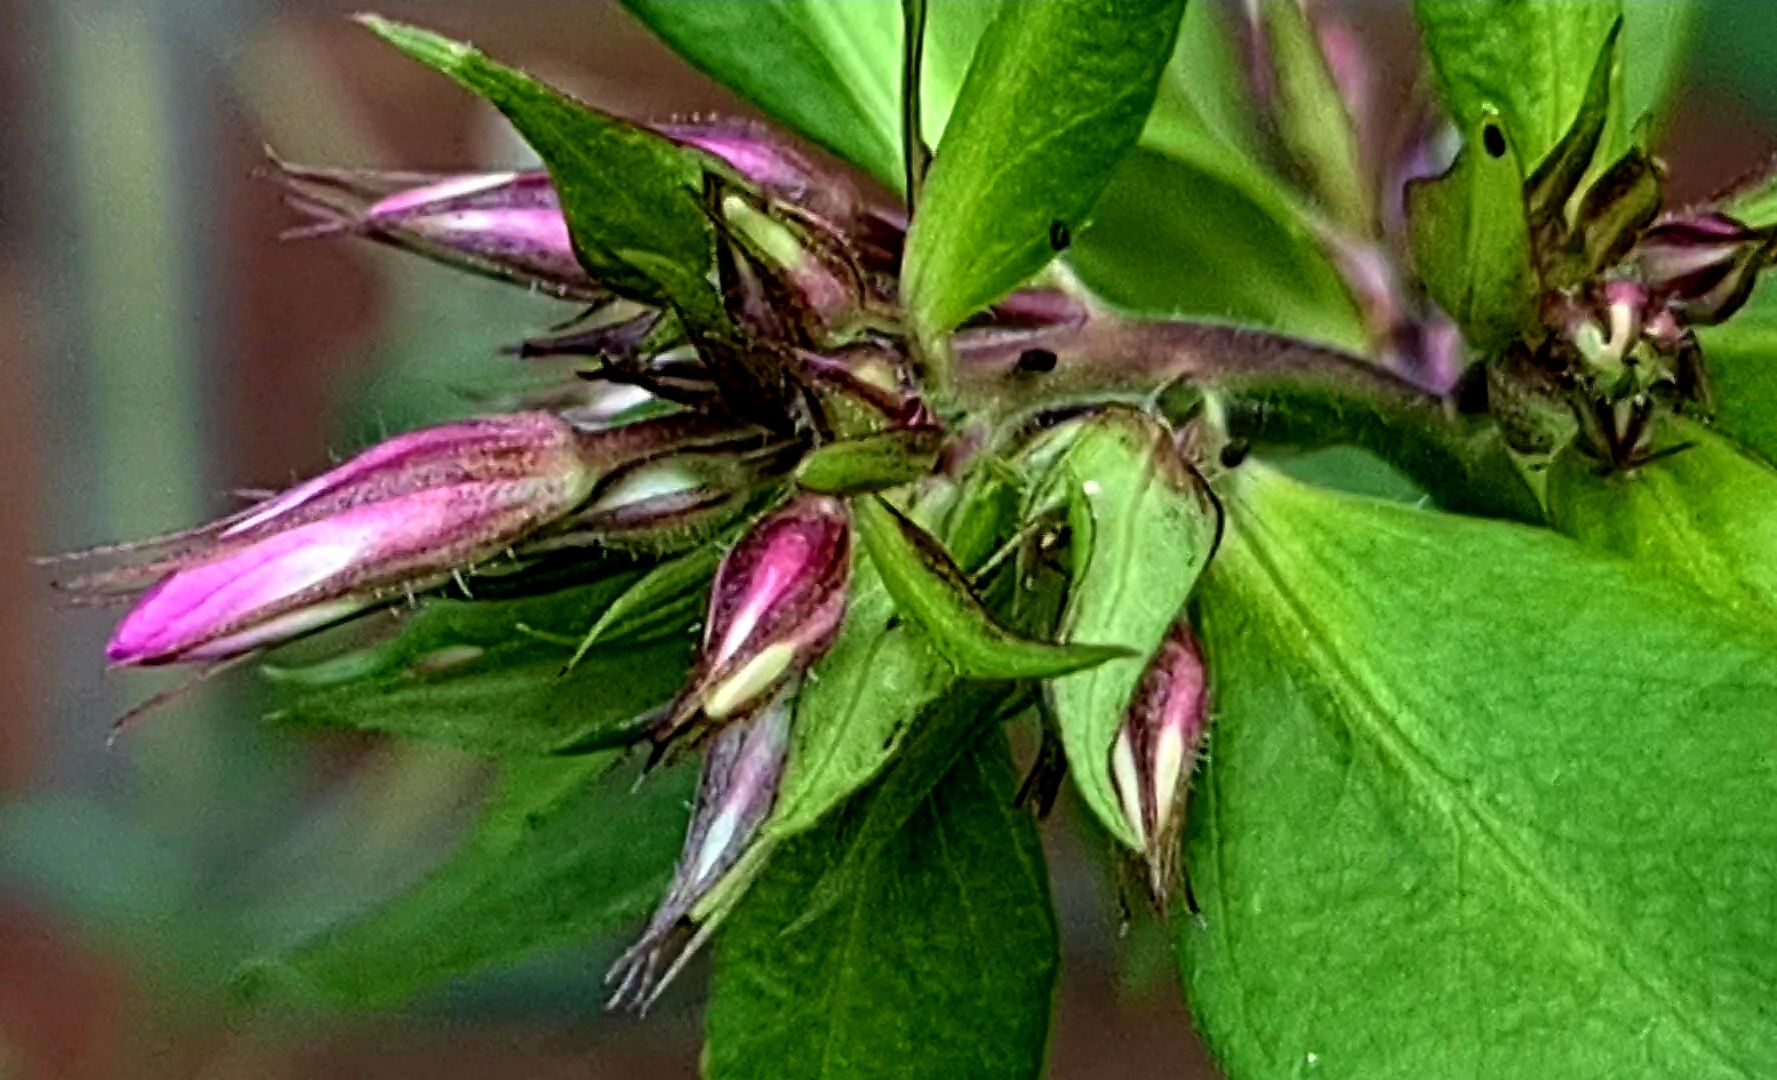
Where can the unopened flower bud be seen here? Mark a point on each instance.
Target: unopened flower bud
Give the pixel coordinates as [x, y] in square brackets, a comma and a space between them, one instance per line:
[1705, 266]
[735, 792]
[1156, 751]
[400, 517]
[863, 389]
[772, 162]
[507, 225]
[775, 607]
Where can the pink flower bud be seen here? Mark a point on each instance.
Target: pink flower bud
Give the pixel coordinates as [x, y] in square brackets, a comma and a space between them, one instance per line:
[771, 161]
[775, 607]
[402, 516]
[1704, 267]
[507, 225]
[1156, 751]
[735, 793]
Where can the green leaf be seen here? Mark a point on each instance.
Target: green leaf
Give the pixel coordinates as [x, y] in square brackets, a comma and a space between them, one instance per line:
[1526, 61]
[1741, 355]
[874, 462]
[1656, 41]
[1756, 204]
[1553, 182]
[1141, 528]
[1312, 120]
[1057, 92]
[1196, 222]
[561, 853]
[1470, 240]
[1214, 239]
[487, 676]
[665, 600]
[929, 589]
[912, 934]
[1480, 802]
[830, 71]
[881, 675]
[633, 199]
[1704, 516]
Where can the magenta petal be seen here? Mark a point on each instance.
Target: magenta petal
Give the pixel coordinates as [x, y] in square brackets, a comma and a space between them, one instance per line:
[296, 579]
[191, 605]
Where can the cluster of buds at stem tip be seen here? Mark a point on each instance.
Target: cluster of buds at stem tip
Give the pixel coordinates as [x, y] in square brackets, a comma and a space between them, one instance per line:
[1156, 751]
[410, 514]
[735, 793]
[775, 607]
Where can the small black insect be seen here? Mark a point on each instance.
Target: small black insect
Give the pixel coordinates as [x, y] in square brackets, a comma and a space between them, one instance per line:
[1060, 236]
[1493, 140]
[1037, 361]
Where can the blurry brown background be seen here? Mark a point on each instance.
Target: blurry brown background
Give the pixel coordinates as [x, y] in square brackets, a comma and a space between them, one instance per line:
[159, 347]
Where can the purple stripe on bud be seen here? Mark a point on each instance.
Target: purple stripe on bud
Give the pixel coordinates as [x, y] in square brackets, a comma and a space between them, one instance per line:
[1156, 751]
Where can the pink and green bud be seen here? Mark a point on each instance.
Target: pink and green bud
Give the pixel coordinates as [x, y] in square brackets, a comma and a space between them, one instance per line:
[775, 608]
[1703, 267]
[1156, 751]
[735, 793]
[507, 225]
[401, 517]
[407, 515]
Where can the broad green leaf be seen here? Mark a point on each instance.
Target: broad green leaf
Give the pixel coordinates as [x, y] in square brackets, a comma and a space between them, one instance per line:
[1741, 355]
[881, 674]
[1704, 516]
[830, 71]
[911, 935]
[1525, 61]
[633, 199]
[487, 676]
[1215, 239]
[1196, 222]
[1140, 532]
[1480, 803]
[871, 462]
[1312, 121]
[1056, 94]
[928, 588]
[1657, 39]
[1470, 239]
[562, 852]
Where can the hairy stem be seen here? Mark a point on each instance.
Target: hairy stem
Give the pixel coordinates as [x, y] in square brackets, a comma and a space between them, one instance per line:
[1275, 390]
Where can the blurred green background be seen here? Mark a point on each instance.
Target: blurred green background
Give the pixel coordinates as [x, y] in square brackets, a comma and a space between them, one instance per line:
[162, 348]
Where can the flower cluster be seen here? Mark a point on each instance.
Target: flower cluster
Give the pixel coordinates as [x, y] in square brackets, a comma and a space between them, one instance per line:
[653, 441]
